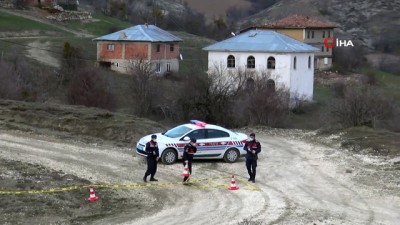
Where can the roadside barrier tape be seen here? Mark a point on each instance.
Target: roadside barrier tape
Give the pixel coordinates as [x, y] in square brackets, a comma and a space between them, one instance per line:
[192, 183]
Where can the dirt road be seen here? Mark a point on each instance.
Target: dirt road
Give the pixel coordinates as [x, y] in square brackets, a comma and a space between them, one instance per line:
[298, 182]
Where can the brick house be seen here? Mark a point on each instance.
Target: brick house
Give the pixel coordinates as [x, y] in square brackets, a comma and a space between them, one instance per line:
[119, 50]
[306, 29]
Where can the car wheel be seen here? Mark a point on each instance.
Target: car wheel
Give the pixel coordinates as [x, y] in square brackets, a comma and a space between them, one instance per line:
[231, 155]
[169, 156]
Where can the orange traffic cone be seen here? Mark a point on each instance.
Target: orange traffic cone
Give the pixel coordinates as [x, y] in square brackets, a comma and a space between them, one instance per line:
[92, 196]
[186, 170]
[233, 184]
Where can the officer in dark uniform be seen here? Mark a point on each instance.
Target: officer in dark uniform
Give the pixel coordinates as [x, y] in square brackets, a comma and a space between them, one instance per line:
[188, 153]
[152, 158]
[252, 147]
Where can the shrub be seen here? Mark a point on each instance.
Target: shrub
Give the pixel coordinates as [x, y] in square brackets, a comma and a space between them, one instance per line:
[361, 105]
[89, 89]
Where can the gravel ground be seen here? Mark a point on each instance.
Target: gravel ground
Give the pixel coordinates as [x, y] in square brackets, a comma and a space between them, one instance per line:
[298, 182]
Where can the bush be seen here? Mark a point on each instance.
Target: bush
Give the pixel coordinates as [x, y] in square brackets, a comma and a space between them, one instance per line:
[361, 105]
[229, 102]
[89, 89]
[20, 82]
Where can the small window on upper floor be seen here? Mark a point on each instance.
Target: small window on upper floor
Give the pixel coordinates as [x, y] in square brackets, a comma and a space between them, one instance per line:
[271, 63]
[110, 47]
[327, 49]
[308, 34]
[294, 62]
[329, 33]
[323, 34]
[309, 62]
[322, 48]
[158, 47]
[251, 62]
[171, 47]
[312, 34]
[231, 61]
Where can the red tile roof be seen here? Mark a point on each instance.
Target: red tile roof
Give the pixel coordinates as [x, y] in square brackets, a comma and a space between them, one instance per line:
[297, 21]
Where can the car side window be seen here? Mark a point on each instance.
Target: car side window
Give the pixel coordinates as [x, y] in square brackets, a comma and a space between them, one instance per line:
[198, 134]
[211, 133]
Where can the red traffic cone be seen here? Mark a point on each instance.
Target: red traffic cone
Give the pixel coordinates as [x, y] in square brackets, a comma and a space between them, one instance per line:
[92, 196]
[233, 184]
[186, 170]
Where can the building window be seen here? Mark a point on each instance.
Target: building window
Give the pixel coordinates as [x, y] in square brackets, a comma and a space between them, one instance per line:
[158, 47]
[171, 47]
[308, 34]
[329, 33]
[271, 63]
[168, 67]
[327, 49]
[110, 47]
[251, 62]
[309, 62]
[326, 61]
[231, 61]
[323, 34]
[294, 62]
[322, 49]
[158, 68]
[312, 34]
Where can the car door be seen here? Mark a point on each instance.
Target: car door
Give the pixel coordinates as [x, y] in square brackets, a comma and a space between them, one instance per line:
[217, 142]
[200, 135]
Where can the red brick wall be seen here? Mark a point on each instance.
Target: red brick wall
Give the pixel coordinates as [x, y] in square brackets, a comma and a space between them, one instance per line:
[136, 50]
[165, 52]
[106, 54]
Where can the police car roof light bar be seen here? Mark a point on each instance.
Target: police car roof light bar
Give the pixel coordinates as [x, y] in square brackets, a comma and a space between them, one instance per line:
[198, 123]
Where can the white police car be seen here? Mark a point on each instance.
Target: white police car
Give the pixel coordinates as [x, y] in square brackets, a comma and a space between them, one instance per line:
[213, 142]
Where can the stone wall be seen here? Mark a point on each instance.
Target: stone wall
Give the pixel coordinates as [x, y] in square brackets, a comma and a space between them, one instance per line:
[70, 16]
[6, 4]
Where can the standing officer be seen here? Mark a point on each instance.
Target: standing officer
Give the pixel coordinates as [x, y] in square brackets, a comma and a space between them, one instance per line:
[152, 157]
[252, 147]
[188, 153]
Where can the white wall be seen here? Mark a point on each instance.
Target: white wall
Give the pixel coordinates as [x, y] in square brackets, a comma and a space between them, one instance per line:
[300, 81]
[302, 78]
[281, 73]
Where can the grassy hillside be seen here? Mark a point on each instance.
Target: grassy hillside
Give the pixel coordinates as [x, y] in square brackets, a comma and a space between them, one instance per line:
[13, 23]
[99, 25]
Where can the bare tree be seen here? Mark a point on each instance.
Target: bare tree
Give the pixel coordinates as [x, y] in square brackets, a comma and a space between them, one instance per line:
[142, 88]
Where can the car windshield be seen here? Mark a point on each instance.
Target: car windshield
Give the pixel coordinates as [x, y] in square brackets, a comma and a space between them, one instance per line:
[177, 131]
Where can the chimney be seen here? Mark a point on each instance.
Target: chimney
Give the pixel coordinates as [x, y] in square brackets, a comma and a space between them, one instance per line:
[122, 35]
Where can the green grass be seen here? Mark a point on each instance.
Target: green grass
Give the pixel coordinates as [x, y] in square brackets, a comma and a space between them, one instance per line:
[191, 50]
[100, 25]
[390, 83]
[377, 141]
[9, 22]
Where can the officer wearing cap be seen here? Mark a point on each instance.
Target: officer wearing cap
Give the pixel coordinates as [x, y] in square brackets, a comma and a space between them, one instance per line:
[152, 158]
[252, 148]
[188, 153]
